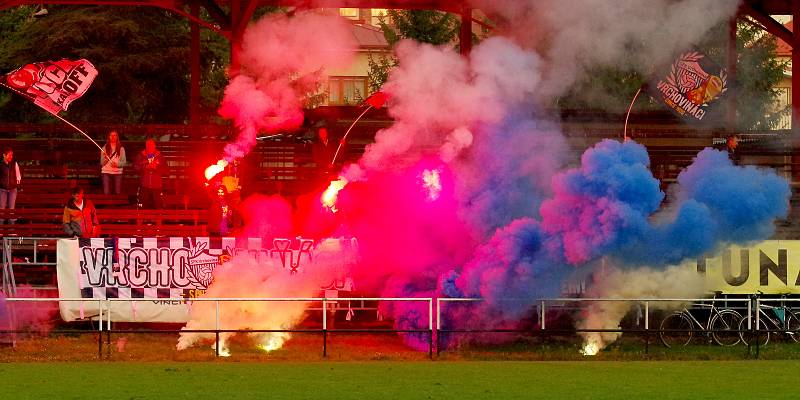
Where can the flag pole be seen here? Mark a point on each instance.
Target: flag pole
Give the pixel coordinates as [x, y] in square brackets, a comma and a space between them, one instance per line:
[341, 142]
[62, 119]
[628, 114]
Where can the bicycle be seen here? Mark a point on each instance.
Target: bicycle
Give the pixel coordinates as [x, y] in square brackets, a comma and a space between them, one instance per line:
[722, 325]
[781, 320]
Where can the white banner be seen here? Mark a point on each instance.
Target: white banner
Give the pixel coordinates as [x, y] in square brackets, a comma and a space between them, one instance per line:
[160, 269]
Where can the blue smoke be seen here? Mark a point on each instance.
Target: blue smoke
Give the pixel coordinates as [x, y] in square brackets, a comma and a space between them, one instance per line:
[513, 269]
[506, 174]
[607, 207]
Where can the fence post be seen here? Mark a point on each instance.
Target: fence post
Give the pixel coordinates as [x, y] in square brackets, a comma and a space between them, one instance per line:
[758, 325]
[430, 328]
[541, 325]
[108, 327]
[216, 330]
[750, 333]
[646, 327]
[324, 327]
[100, 329]
[438, 324]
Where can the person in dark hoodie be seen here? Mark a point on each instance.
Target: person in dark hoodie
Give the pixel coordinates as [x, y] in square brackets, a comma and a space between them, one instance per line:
[80, 216]
[9, 181]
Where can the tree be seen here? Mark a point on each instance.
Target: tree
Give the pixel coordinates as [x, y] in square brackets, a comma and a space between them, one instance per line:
[426, 26]
[758, 71]
[757, 74]
[141, 54]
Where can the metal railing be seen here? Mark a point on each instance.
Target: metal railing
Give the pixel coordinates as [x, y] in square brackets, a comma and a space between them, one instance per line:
[105, 312]
[435, 308]
[542, 308]
[9, 284]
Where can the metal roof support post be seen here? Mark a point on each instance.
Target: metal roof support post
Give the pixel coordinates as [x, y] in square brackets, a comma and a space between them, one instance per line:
[236, 36]
[465, 35]
[795, 88]
[194, 68]
[732, 57]
[795, 71]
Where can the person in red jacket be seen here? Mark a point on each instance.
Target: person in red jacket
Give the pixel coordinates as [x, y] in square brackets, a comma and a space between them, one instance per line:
[151, 167]
[80, 216]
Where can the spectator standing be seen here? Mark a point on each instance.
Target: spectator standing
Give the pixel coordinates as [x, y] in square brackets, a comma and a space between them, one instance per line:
[80, 216]
[112, 159]
[322, 152]
[151, 167]
[10, 179]
[225, 200]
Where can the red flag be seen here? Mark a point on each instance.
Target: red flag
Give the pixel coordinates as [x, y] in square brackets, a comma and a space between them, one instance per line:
[377, 99]
[53, 85]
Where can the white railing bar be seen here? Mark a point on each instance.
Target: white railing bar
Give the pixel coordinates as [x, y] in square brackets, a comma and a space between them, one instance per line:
[43, 299]
[758, 314]
[448, 299]
[183, 299]
[271, 299]
[430, 314]
[324, 314]
[438, 314]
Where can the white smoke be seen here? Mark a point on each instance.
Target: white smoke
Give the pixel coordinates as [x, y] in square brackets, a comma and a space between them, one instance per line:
[572, 36]
[678, 282]
[245, 277]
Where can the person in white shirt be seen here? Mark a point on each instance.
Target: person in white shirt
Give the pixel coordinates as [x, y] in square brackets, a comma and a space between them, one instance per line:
[112, 159]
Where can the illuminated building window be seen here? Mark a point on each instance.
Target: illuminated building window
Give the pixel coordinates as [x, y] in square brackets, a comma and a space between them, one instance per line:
[378, 14]
[351, 13]
[346, 90]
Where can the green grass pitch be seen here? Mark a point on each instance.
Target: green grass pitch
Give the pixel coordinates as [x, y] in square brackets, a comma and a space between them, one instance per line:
[228, 380]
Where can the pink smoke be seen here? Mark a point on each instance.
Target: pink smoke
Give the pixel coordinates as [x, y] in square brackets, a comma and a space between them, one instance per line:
[283, 61]
[39, 317]
[439, 98]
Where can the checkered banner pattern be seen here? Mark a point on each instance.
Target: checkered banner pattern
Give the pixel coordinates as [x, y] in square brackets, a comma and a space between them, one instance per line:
[159, 269]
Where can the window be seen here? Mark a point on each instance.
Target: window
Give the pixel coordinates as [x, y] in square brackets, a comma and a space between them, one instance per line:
[347, 90]
[351, 13]
[378, 14]
[783, 106]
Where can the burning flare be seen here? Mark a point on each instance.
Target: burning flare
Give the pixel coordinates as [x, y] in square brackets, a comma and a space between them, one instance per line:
[273, 341]
[592, 345]
[432, 183]
[332, 192]
[224, 351]
[214, 169]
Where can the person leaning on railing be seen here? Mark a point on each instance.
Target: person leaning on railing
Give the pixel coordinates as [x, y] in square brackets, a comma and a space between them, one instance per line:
[80, 216]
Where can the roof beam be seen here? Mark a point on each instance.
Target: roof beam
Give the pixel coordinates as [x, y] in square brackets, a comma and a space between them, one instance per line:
[769, 24]
[443, 5]
[217, 13]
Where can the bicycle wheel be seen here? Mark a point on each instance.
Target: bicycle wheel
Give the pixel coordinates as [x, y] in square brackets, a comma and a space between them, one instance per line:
[676, 330]
[725, 327]
[792, 326]
[747, 335]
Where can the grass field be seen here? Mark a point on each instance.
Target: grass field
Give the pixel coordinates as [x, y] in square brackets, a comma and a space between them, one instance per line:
[401, 380]
[380, 366]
